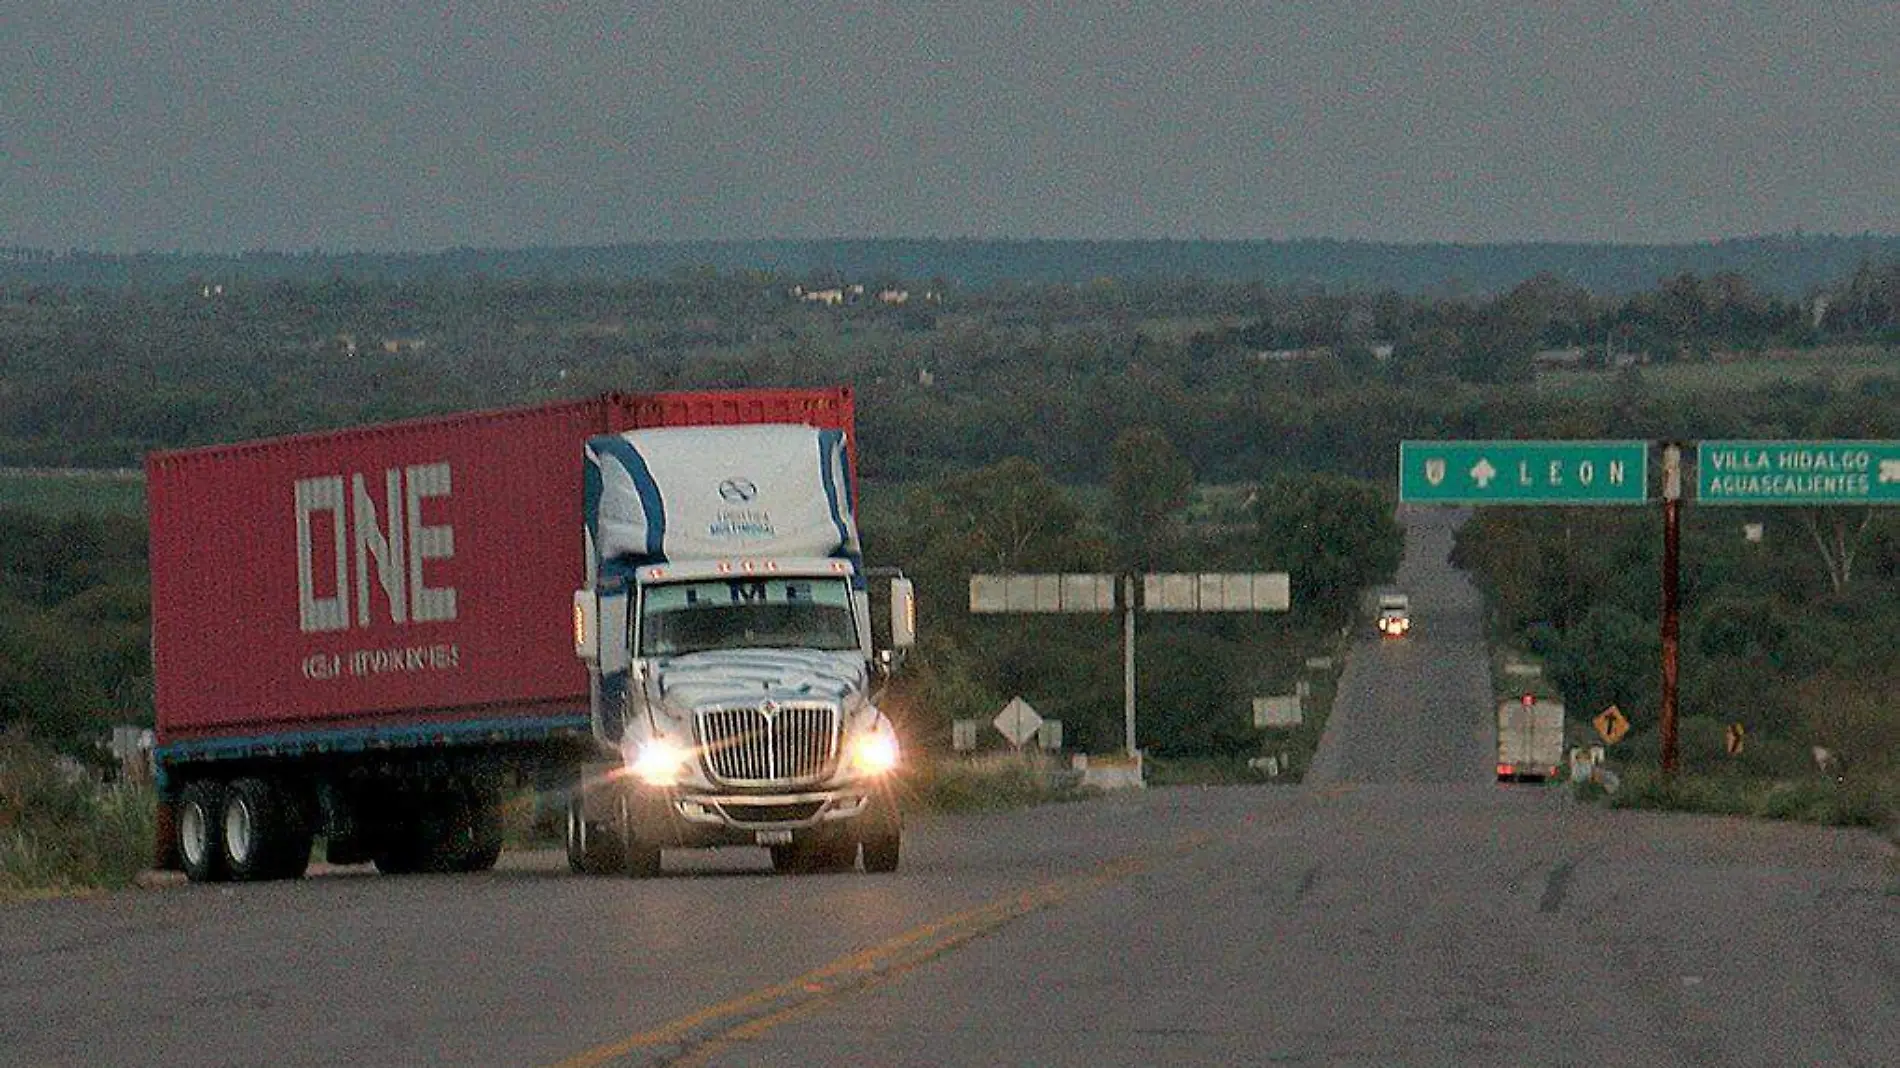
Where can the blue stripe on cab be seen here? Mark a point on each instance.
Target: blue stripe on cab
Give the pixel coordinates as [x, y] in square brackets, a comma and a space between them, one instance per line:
[651, 506]
[830, 448]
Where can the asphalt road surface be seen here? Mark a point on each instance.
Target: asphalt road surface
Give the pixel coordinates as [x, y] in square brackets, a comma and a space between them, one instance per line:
[1398, 909]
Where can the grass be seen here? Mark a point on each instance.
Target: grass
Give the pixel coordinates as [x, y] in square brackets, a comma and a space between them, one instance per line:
[1202, 771]
[62, 833]
[1863, 802]
[998, 781]
[57, 494]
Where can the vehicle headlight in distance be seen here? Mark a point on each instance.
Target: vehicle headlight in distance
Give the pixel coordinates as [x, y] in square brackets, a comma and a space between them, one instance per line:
[875, 752]
[660, 763]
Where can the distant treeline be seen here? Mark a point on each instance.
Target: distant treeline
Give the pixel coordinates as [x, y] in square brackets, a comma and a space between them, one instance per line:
[1786, 265]
[1239, 376]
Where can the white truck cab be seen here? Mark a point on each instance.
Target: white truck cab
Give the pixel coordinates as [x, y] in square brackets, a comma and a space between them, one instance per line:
[727, 631]
[1395, 615]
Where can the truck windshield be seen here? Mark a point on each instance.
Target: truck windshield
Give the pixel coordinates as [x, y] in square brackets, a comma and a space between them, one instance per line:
[750, 613]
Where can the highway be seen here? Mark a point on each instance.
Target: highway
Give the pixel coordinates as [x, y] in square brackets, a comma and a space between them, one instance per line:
[1398, 908]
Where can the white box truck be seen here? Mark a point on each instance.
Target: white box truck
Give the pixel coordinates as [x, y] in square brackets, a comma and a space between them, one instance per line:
[1530, 739]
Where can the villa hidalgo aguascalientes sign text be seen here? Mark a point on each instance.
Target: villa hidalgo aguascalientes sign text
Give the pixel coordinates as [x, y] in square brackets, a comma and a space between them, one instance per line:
[1798, 472]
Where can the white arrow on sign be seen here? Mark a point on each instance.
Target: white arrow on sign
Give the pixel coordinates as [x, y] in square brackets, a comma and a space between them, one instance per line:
[1018, 721]
[1483, 473]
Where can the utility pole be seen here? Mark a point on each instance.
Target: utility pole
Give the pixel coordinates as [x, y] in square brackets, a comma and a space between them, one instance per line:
[1671, 608]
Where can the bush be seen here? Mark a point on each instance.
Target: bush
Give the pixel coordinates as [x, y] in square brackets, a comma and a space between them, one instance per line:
[1208, 771]
[990, 782]
[1866, 802]
[1776, 758]
[60, 830]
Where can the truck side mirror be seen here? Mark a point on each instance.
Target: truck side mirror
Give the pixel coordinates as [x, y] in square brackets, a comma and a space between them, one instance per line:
[903, 614]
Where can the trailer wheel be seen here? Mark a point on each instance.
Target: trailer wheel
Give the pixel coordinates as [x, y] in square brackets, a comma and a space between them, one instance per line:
[440, 830]
[592, 848]
[200, 836]
[401, 853]
[403, 845]
[265, 836]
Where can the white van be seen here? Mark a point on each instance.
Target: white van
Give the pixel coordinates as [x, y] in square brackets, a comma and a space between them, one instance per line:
[1395, 615]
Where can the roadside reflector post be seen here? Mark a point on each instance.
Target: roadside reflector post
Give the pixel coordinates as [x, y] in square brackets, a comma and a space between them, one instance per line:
[1671, 623]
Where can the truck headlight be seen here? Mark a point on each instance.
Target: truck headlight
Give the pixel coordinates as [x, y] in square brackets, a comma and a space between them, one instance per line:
[660, 763]
[875, 753]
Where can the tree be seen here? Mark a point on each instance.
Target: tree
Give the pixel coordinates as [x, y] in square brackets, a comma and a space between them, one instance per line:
[1149, 483]
[1608, 657]
[1333, 536]
[1838, 535]
[1007, 517]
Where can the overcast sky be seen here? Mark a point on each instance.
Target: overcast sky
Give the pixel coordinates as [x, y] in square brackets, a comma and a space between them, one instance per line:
[409, 126]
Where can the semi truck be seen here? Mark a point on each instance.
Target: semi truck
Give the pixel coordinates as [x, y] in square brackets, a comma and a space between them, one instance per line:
[363, 638]
[726, 626]
[1530, 739]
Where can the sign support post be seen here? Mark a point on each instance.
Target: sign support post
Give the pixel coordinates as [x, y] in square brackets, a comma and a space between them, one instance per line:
[1128, 666]
[1671, 598]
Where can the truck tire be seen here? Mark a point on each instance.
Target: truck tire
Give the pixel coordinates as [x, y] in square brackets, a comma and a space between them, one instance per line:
[881, 851]
[640, 858]
[592, 848]
[445, 829]
[408, 842]
[265, 835]
[826, 853]
[401, 848]
[201, 833]
[883, 835]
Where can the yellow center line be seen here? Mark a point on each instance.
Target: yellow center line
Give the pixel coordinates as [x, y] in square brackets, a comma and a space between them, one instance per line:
[761, 1010]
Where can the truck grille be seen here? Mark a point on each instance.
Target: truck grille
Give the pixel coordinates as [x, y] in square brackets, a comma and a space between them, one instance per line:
[770, 745]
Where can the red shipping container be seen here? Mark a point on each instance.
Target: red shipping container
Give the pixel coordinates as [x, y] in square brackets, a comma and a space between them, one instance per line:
[326, 580]
[396, 574]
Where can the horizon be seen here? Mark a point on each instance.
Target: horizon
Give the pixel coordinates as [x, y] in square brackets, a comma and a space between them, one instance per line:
[12, 251]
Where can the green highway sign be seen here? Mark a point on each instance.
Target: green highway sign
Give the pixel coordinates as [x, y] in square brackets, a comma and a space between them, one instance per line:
[1523, 472]
[1798, 472]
